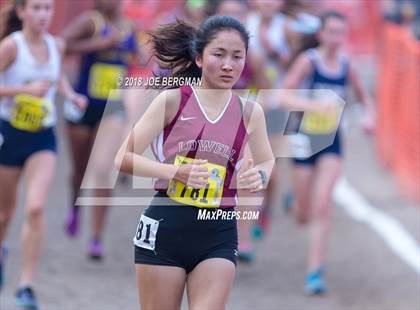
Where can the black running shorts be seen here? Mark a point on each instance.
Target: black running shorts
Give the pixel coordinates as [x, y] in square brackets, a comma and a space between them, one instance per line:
[172, 235]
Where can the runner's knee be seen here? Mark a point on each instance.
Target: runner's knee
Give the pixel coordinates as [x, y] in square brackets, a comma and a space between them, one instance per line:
[35, 212]
[322, 210]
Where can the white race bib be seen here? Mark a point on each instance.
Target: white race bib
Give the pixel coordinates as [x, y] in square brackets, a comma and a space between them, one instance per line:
[146, 233]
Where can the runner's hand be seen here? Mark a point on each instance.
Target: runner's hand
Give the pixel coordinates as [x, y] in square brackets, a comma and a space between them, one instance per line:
[194, 174]
[250, 179]
[369, 122]
[79, 100]
[37, 88]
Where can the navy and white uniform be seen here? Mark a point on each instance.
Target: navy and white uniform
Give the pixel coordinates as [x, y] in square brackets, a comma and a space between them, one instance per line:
[318, 132]
[27, 122]
[100, 75]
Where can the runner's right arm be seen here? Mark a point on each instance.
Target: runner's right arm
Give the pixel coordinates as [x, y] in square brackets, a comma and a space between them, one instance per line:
[130, 158]
[8, 51]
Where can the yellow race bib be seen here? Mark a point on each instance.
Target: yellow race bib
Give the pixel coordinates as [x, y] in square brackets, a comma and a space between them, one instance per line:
[103, 78]
[208, 197]
[29, 112]
[319, 123]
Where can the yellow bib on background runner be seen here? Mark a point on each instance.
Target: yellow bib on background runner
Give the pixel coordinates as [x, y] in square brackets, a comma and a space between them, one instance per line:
[208, 197]
[29, 112]
[319, 123]
[103, 78]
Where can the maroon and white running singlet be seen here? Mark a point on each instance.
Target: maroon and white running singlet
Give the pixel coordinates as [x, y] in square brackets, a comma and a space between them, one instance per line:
[192, 135]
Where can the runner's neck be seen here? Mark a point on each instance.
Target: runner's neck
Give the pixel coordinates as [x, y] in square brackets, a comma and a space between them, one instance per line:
[330, 58]
[213, 99]
[329, 54]
[31, 37]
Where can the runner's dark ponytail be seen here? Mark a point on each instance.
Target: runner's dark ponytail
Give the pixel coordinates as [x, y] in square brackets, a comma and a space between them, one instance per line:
[10, 22]
[174, 50]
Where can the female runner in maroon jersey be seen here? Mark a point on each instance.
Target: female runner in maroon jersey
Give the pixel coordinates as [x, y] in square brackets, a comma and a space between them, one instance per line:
[200, 136]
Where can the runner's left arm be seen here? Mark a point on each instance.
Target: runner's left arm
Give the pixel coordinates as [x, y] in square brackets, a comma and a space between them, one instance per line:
[64, 86]
[262, 161]
[363, 97]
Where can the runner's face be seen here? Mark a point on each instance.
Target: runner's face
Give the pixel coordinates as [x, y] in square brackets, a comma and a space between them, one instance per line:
[333, 33]
[223, 60]
[232, 8]
[268, 8]
[37, 14]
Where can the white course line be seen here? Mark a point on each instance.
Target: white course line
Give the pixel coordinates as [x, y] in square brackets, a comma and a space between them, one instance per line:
[390, 230]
